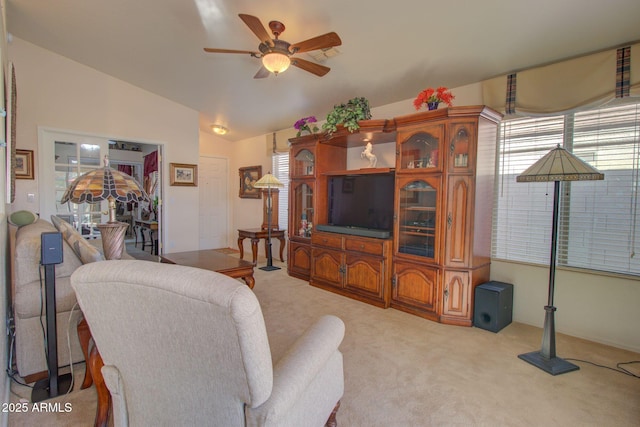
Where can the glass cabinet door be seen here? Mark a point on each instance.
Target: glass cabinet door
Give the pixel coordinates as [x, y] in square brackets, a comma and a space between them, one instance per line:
[462, 135]
[417, 227]
[421, 150]
[302, 219]
[302, 163]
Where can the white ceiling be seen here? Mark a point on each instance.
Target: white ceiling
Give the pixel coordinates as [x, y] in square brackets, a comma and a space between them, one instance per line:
[390, 49]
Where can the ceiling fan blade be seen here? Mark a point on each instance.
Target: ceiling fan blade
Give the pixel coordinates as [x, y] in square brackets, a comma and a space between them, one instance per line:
[262, 73]
[312, 67]
[320, 42]
[214, 50]
[258, 29]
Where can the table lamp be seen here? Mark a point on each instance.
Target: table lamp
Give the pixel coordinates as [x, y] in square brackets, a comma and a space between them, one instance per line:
[268, 181]
[111, 185]
[557, 165]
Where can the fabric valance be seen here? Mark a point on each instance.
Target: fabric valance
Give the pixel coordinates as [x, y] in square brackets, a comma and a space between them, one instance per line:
[562, 86]
[281, 138]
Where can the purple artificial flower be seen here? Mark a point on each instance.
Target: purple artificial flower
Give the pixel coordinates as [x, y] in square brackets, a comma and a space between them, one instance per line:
[299, 124]
[303, 125]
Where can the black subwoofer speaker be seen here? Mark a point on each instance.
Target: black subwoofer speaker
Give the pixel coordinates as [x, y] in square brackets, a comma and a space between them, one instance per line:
[493, 307]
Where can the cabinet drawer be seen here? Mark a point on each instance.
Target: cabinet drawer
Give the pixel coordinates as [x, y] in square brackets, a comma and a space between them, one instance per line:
[326, 240]
[367, 246]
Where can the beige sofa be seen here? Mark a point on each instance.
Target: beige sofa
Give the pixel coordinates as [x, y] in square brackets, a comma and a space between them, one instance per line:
[28, 296]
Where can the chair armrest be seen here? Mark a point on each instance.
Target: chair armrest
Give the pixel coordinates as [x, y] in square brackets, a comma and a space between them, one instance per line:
[299, 366]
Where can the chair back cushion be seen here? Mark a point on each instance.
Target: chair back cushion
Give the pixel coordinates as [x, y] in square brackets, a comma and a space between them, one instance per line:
[190, 345]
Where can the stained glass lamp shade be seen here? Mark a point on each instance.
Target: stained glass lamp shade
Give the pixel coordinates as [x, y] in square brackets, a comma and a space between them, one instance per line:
[111, 185]
[557, 165]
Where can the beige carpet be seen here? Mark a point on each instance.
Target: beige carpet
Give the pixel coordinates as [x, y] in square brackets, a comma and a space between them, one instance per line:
[401, 370]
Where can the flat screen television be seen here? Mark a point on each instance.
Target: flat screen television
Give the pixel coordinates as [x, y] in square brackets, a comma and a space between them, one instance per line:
[361, 204]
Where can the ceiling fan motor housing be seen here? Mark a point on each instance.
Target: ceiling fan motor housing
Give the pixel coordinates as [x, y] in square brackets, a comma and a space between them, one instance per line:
[279, 46]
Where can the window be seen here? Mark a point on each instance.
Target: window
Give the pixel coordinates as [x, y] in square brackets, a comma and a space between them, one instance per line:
[597, 226]
[280, 167]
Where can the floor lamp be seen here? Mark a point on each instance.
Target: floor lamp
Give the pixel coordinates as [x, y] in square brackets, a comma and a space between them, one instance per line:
[557, 165]
[269, 181]
[111, 185]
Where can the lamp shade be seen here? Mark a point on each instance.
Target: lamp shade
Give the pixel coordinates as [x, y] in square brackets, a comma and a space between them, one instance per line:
[276, 62]
[559, 165]
[268, 181]
[102, 183]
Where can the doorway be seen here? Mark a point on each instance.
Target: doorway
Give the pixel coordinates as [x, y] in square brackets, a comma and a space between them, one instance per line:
[64, 155]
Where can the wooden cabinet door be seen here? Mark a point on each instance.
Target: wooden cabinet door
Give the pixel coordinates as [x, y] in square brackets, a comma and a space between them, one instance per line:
[301, 208]
[420, 149]
[417, 229]
[462, 144]
[415, 288]
[364, 275]
[456, 295]
[299, 260]
[327, 267]
[458, 216]
[302, 159]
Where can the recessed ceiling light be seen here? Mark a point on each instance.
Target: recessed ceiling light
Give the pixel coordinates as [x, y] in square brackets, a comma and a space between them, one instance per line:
[219, 129]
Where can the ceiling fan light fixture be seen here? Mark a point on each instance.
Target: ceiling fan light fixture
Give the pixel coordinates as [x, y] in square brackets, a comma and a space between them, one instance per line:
[276, 62]
[219, 129]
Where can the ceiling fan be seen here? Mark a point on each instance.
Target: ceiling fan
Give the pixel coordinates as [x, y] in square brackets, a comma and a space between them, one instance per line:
[277, 54]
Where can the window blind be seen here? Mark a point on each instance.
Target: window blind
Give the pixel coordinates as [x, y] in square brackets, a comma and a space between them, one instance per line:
[597, 227]
[280, 167]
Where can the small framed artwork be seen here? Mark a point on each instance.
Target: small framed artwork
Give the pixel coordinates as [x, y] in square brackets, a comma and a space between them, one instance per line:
[185, 175]
[24, 164]
[248, 177]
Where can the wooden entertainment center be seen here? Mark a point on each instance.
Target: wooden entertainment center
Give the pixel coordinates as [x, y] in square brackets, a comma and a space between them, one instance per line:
[440, 245]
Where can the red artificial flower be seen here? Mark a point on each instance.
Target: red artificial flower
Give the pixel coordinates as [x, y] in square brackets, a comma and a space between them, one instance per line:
[442, 94]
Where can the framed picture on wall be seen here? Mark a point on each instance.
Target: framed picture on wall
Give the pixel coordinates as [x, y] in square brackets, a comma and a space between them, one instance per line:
[248, 176]
[185, 175]
[24, 164]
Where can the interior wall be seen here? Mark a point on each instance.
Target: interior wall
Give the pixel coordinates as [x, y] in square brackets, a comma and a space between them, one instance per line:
[58, 93]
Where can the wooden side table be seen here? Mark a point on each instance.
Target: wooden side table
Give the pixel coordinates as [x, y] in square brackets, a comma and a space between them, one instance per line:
[255, 234]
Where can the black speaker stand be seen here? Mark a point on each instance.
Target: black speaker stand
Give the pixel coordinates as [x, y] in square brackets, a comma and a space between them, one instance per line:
[54, 385]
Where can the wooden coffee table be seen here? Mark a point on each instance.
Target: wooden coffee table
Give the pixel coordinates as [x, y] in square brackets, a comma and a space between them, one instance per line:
[209, 259]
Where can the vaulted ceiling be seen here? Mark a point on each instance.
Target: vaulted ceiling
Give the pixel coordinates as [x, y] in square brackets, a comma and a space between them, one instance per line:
[390, 50]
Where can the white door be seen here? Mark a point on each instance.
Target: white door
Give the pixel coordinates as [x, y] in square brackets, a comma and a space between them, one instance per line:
[214, 203]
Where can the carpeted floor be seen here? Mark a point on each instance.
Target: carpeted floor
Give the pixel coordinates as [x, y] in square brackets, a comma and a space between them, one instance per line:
[401, 370]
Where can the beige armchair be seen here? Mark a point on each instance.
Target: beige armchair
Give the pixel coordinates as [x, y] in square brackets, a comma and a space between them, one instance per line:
[185, 346]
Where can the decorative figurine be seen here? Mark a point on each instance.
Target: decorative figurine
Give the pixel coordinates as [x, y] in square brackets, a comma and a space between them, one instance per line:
[368, 153]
